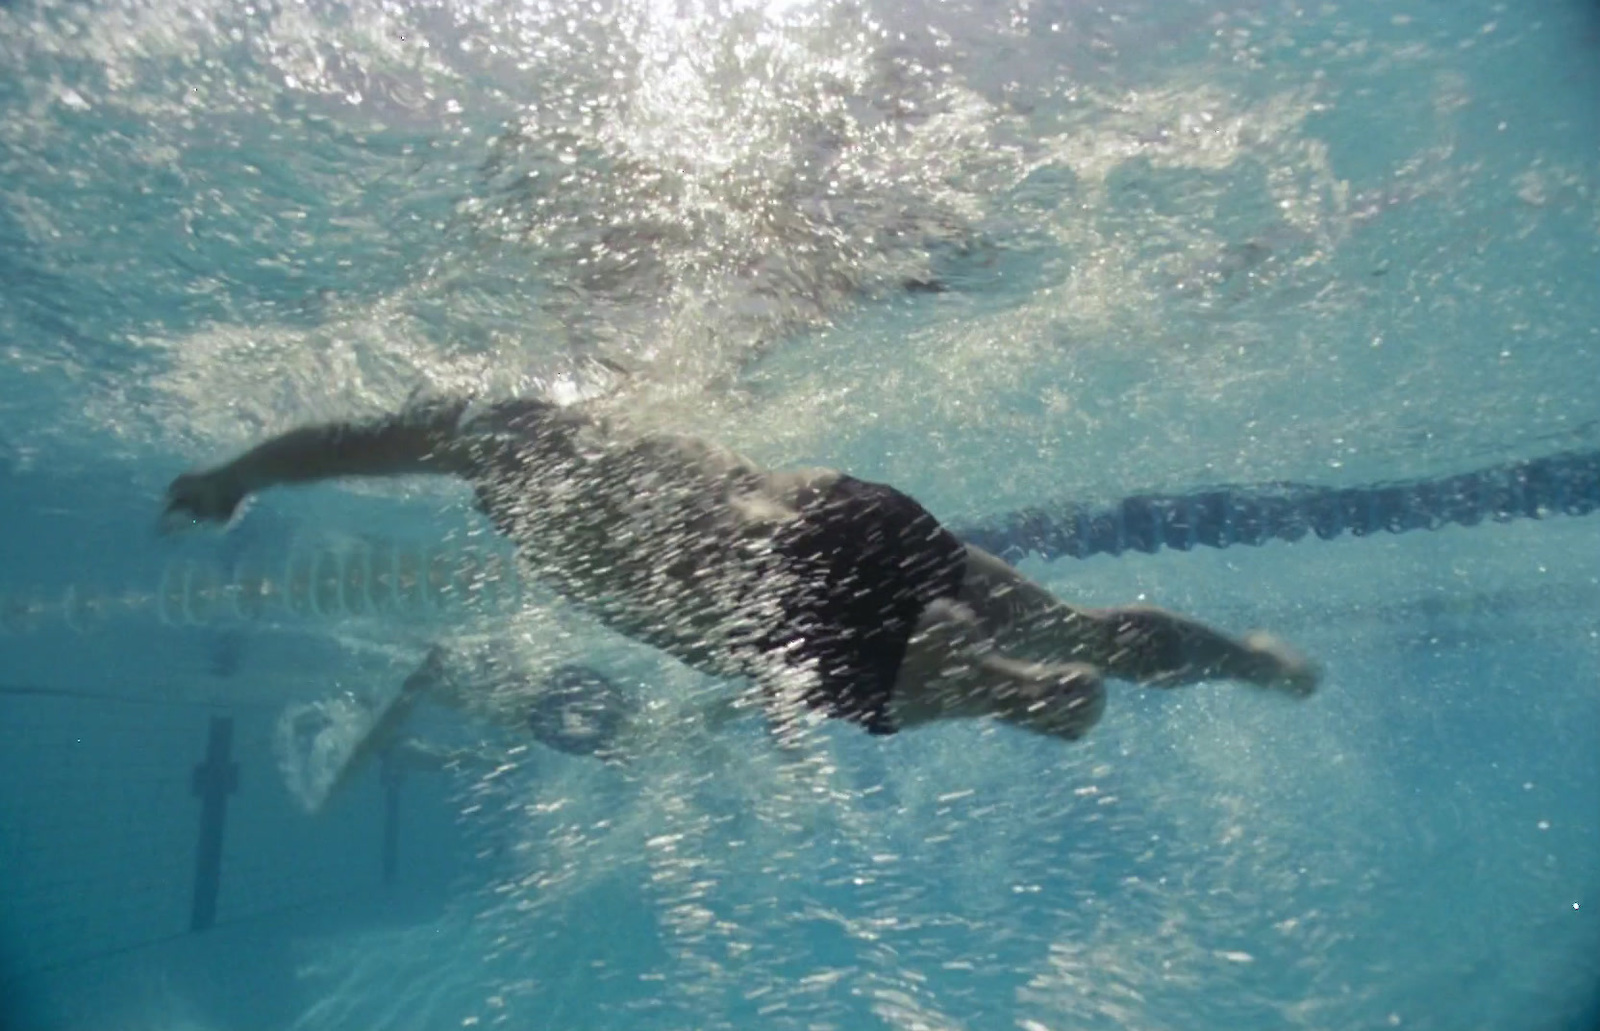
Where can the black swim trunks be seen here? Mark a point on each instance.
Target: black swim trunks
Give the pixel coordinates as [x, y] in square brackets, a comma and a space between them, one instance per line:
[864, 561]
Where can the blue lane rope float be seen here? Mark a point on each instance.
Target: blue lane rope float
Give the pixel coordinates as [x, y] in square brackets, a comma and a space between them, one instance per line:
[384, 579]
[1223, 517]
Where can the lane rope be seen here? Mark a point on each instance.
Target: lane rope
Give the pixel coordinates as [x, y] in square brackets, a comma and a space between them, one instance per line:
[387, 578]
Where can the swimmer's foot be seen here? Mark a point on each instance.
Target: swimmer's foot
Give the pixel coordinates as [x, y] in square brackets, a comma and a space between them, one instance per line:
[1275, 666]
[206, 497]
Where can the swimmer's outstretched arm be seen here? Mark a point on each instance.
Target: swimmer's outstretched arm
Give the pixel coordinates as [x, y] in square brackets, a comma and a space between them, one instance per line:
[1143, 644]
[421, 439]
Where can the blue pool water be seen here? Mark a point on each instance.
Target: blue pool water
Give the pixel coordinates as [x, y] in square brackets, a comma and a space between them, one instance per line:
[1009, 256]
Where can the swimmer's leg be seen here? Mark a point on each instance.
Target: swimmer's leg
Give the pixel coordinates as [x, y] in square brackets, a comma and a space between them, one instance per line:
[1143, 644]
[1162, 649]
[952, 669]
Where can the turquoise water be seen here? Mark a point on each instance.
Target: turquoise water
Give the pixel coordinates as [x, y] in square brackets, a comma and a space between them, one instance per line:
[1000, 255]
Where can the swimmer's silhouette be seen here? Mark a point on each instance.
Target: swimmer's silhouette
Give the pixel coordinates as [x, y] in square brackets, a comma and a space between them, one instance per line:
[833, 594]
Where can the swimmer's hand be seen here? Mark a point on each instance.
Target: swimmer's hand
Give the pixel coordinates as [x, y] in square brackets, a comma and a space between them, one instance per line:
[1278, 667]
[212, 496]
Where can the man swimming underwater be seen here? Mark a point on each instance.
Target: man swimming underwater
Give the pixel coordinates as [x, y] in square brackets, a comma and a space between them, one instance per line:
[835, 595]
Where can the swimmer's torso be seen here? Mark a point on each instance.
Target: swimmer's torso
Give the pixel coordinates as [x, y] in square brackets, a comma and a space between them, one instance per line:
[666, 539]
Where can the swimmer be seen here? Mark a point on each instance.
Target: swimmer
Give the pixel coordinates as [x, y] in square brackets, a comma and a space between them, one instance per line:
[834, 595]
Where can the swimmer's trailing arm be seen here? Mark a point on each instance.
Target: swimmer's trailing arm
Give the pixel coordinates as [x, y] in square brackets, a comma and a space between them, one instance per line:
[421, 439]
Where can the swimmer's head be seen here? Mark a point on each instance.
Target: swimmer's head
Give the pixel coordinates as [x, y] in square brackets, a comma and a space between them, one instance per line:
[580, 712]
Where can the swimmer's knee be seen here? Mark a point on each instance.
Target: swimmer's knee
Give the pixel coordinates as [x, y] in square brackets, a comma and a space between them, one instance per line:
[1061, 700]
[1075, 702]
[1089, 705]
[953, 622]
